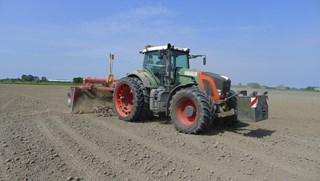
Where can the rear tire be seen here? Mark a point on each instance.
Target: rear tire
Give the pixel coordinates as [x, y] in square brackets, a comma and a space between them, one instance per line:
[191, 111]
[128, 99]
[147, 113]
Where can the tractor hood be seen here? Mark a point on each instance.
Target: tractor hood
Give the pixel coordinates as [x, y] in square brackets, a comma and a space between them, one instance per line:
[223, 83]
[214, 85]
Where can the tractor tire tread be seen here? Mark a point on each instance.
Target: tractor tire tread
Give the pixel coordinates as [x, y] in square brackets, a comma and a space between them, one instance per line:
[147, 113]
[204, 122]
[138, 93]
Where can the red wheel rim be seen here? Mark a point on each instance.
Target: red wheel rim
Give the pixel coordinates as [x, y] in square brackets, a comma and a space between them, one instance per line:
[183, 117]
[124, 100]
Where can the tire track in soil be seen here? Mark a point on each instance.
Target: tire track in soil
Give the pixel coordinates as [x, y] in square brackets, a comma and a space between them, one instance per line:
[64, 151]
[50, 101]
[36, 116]
[308, 147]
[205, 161]
[179, 154]
[153, 162]
[5, 105]
[262, 154]
[297, 139]
[269, 162]
[5, 95]
[4, 175]
[95, 150]
[276, 147]
[21, 106]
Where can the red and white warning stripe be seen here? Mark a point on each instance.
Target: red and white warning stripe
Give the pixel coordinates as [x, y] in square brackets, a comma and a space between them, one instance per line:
[254, 102]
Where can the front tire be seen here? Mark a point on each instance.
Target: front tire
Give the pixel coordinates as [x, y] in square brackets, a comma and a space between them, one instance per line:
[191, 111]
[128, 99]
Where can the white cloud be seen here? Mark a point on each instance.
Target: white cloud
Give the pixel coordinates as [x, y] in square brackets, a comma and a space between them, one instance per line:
[137, 20]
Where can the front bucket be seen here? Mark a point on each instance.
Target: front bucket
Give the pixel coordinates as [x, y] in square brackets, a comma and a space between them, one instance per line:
[85, 101]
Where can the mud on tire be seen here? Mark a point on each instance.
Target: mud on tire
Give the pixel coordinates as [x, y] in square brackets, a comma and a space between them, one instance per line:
[191, 111]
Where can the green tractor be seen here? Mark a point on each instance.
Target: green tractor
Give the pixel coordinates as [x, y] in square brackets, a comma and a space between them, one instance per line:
[166, 85]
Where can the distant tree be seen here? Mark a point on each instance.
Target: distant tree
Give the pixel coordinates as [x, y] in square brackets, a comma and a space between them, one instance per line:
[44, 79]
[30, 78]
[310, 88]
[36, 78]
[10, 80]
[77, 80]
[24, 77]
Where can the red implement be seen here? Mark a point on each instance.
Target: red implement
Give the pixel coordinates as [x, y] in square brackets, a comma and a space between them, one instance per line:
[93, 92]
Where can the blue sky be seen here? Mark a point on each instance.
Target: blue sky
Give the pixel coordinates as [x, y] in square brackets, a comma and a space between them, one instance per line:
[271, 42]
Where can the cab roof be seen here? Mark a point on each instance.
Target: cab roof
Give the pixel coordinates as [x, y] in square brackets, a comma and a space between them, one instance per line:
[150, 48]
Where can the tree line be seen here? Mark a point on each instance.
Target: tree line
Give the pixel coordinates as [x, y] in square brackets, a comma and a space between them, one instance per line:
[26, 78]
[254, 85]
[32, 78]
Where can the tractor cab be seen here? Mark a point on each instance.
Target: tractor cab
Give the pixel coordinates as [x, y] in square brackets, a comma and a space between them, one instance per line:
[164, 61]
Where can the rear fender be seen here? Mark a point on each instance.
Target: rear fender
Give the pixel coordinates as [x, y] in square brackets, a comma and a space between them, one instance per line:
[147, 80]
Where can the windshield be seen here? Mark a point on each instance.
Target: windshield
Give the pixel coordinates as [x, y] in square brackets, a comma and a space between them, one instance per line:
[151, 60]
[178, 59]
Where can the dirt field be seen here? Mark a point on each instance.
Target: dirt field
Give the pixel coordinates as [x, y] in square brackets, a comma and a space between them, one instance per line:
[40, 140]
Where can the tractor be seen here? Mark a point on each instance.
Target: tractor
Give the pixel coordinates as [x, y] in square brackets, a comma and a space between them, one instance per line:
[167, 86]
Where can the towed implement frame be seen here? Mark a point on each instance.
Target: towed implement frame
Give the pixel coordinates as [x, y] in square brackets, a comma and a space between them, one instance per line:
[93, 93]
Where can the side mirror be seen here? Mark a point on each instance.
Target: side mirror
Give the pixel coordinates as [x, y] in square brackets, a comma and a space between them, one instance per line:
[160, 54]
[204, 60]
